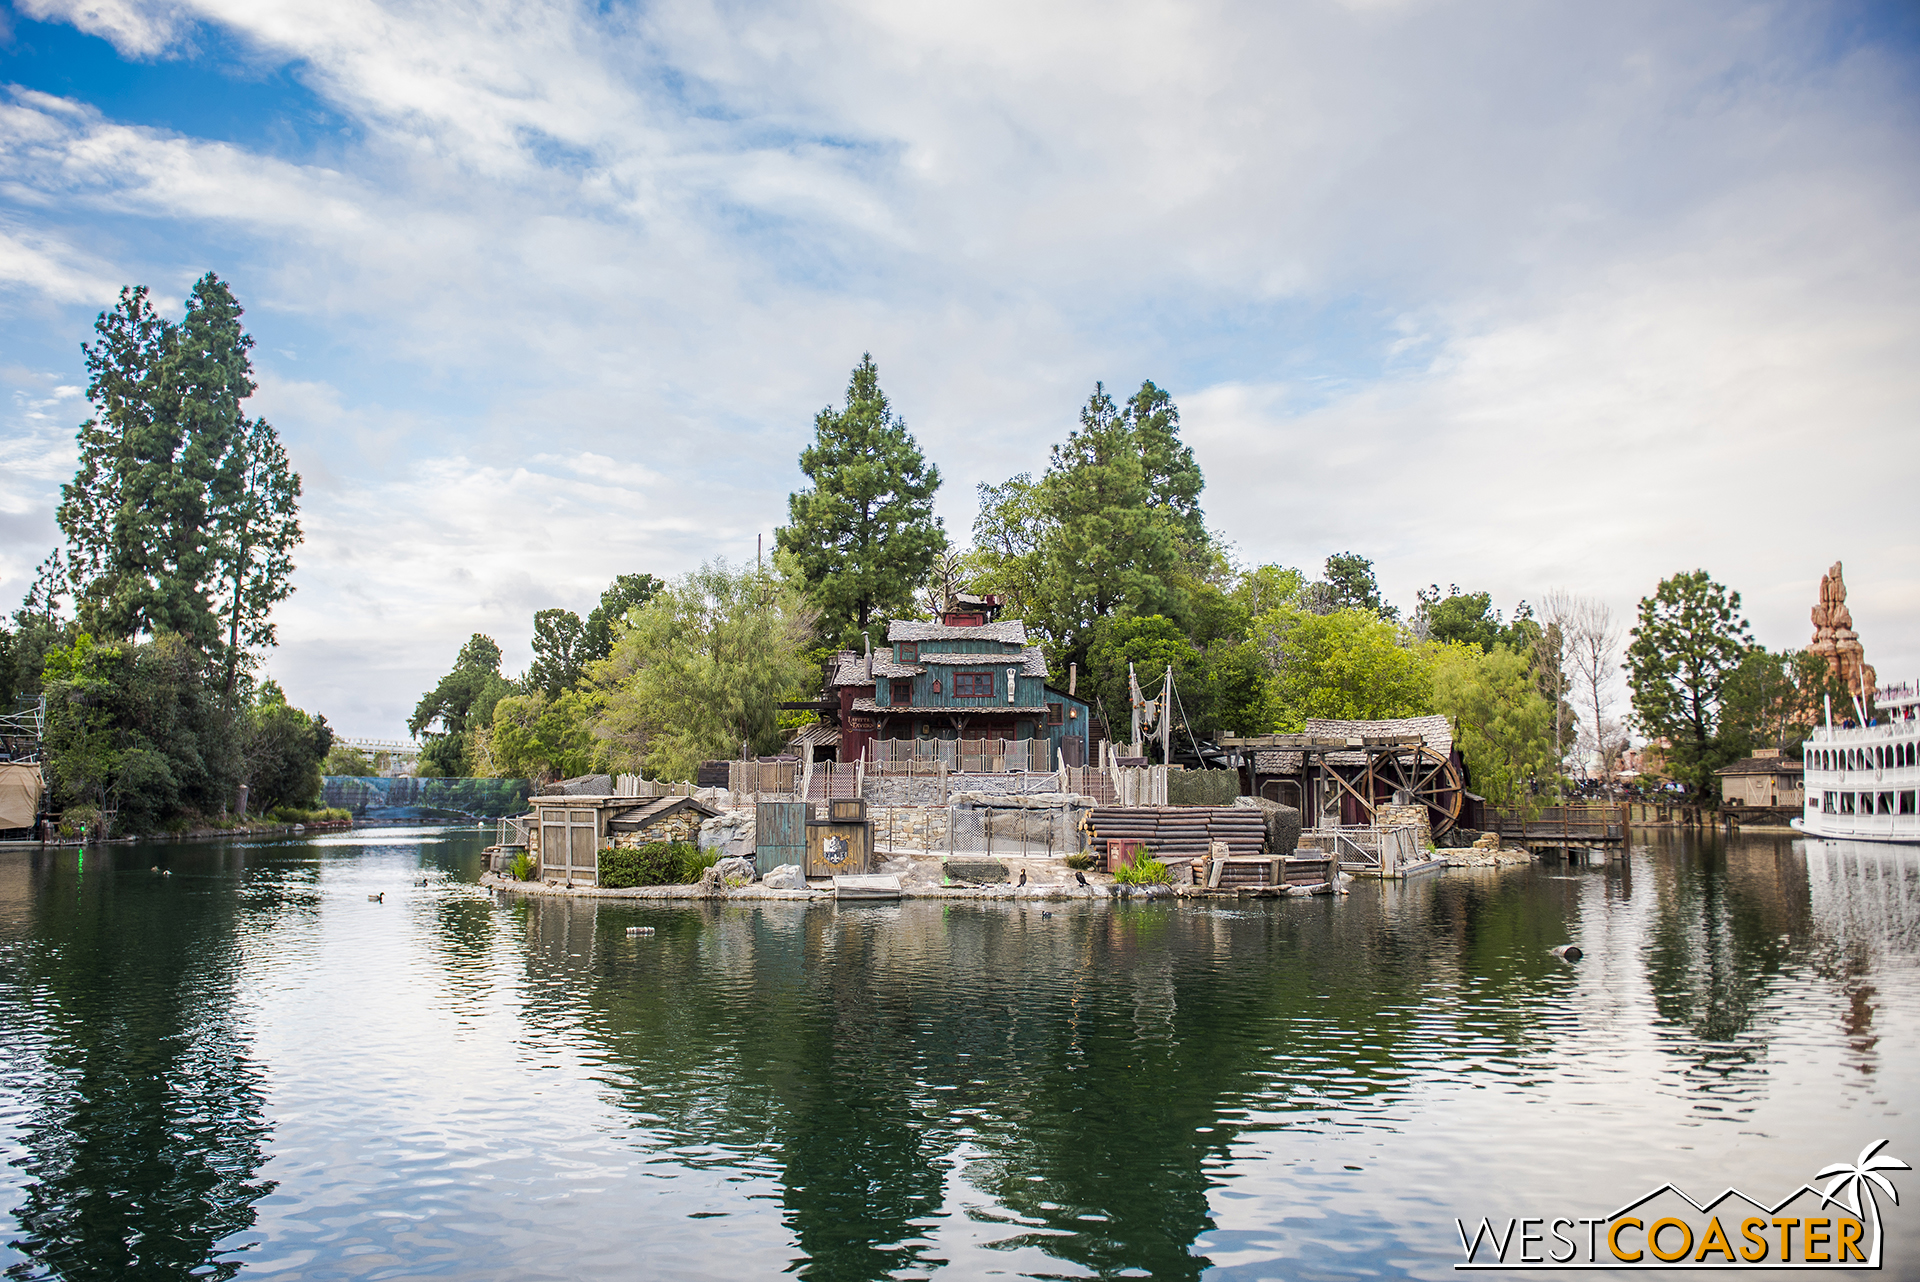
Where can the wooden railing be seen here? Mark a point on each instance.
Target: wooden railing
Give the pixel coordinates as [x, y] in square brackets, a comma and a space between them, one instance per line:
[958, 756]
[1572, 824]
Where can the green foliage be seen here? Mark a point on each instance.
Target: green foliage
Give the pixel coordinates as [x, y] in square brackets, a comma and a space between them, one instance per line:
[1689, 639]
[1010, 534]
[559, 645]
[463, 700]
[864, 535]
[525, 868]
[1467, 617]
[700, 670]
[541, 739]
[138, 729]
[658, 863]
[1774, 699]
[1351, 586]
[317, 815]
[282, 750]
[1142, 869]
[1349, 664]
[1121, 513]
[182, 515]
[1080, 860]
[1505, 726]
[343, 760]
[627, 592]
[1150, 644]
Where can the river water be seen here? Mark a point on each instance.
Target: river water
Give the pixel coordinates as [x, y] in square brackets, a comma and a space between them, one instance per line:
[249, 1067]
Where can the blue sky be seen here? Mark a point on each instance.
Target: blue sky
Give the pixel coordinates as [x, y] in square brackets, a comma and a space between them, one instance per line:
[1510, 295]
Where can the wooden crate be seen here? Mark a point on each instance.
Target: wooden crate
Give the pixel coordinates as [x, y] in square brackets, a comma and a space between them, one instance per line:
[847, 809]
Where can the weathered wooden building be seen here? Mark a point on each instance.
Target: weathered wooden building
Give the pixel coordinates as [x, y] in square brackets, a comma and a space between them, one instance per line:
[566, 833]
[1766, 779]
[967, 677]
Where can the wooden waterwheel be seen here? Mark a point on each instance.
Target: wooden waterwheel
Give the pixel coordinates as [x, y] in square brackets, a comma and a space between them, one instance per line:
[1427, 777]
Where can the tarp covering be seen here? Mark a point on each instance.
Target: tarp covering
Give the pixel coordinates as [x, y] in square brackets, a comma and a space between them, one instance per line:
[20, 789]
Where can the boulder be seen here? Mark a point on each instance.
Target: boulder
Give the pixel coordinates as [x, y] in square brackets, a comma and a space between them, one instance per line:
[785, 877]
[580, 786]
[731, 833]
[735, 871]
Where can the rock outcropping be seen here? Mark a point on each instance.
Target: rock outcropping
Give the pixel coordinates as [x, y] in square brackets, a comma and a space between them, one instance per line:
[1834, 638]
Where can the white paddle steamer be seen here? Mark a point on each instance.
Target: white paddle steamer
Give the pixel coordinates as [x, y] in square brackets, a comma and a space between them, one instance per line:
[1862, 780]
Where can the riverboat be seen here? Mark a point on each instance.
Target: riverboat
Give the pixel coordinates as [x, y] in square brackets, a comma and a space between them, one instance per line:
[1862, 780]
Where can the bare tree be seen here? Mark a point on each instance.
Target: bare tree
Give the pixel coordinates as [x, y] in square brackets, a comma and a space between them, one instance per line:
[1593, 645]
[1550, 656]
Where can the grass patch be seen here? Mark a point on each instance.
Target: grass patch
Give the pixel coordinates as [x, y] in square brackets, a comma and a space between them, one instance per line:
[1142, 869]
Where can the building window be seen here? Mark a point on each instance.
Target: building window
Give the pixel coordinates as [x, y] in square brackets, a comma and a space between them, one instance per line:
[1827, 802]
[1056, 714]
[1846, 803]
[973, 685]
[906, 652]
[1884, 804]
[902, 693]
[1906, 803]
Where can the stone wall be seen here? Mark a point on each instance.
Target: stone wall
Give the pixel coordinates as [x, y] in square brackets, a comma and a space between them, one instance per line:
[682, 825]
[1407, 817]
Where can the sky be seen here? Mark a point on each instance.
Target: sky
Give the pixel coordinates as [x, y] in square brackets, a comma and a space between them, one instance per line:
[1514, 296]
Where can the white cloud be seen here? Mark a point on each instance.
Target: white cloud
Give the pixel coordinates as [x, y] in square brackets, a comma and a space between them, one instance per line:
[1508, 295]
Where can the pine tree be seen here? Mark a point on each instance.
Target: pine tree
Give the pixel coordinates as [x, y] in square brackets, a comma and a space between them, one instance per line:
[1121, 495]
[865, 534]
[1689, 641]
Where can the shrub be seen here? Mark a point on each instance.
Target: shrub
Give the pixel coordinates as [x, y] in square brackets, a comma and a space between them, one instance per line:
[1080, 859]
[658, 863]
[524, 868]
[1142, 869]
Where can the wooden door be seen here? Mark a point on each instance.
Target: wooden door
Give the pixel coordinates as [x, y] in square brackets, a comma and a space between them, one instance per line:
[570, 845]
[780, 834]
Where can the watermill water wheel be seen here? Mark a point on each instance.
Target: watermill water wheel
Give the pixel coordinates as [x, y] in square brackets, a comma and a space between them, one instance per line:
[1429, 778]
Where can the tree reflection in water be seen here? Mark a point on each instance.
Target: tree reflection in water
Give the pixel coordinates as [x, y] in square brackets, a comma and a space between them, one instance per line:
[143, 1127]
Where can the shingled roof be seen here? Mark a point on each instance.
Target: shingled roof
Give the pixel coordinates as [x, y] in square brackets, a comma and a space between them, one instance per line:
[1435, 732]
[1013, 631]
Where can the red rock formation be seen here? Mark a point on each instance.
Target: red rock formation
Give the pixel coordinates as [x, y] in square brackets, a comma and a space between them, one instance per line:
[1834, 638]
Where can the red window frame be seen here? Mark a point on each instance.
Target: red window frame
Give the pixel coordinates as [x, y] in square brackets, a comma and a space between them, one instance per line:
[973, 685]
[901, 691]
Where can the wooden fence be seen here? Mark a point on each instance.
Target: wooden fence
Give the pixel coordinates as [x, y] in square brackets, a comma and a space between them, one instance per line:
[958, 756]
[1573, 825]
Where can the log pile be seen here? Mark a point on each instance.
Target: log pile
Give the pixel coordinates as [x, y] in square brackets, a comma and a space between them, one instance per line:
[1180, 832]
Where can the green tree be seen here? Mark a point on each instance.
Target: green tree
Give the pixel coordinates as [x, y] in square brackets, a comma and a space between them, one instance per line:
[181, 517]
[626, 592]
[1689, 639]
[283, 749]
[1237, 692]
[1459, 616]
[1350, 664]
[559, 651]
[701, 671]
[1010, 535]
[1122, 514]
[344, 759]
[864, 535]
[540, 738]
[1350, 585]
[461, 701]
[1773, 699]
[256, 516]
[1505, 725]
[1149, 645]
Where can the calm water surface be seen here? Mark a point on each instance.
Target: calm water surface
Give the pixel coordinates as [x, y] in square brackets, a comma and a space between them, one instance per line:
[247, 1067]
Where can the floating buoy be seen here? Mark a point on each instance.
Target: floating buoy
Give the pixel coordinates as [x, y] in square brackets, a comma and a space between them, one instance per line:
[1046, 914]
[1568, 952]
[639, 930]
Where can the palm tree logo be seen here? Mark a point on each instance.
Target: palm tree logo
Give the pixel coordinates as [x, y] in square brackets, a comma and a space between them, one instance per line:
[1855, 1180]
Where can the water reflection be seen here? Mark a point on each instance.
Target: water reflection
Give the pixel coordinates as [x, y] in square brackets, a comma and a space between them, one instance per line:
[139, 1129]
[496, 1086]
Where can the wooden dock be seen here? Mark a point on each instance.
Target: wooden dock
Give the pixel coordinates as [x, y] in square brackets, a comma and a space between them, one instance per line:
[1591, 824]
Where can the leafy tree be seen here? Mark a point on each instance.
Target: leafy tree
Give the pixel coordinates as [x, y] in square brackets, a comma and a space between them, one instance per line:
[540, 738]
[1269, 587]
[181, 517]
[626, 592]
[344, 759]
[701, 670]
[1505, 725]
[1350, 664]
[1773, 699]
[1121, 503]
[462, 700]
[1351, 586]
[1689, 640]
[1149, 644]
[283, 749]
[1238, 692]
[559, 651]
[864, 535]
[1010, 535]
[1459, 616]
[257, 526]
[137, 729]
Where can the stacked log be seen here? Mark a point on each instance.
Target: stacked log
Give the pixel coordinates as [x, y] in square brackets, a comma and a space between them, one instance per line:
[1180, 832]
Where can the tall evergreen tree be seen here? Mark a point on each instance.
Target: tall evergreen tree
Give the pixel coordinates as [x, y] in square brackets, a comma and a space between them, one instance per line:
[864, 535]
[1689, 640]
[181, 517]
[1122, 495]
